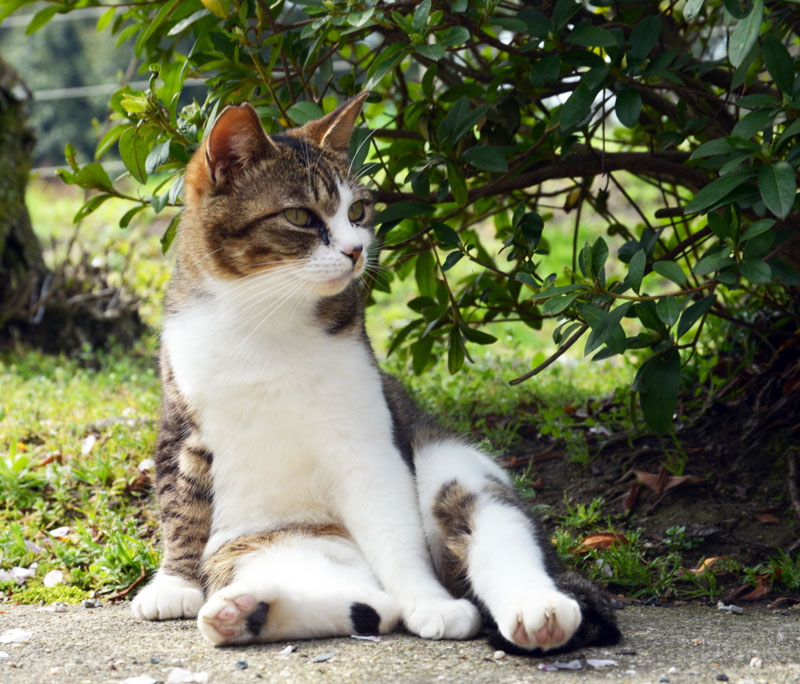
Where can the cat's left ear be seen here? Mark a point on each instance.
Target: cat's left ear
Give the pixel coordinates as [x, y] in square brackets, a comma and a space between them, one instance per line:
[236, 140]
[333, 131]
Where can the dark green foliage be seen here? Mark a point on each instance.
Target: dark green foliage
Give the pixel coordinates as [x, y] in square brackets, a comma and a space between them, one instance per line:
[475, 106]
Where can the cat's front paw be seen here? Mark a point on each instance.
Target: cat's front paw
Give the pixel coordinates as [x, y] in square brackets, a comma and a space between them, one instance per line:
[168, 597]
[443, 619]
[544, 620]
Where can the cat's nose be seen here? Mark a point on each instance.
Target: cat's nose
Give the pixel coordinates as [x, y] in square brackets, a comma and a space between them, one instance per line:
[353, 252]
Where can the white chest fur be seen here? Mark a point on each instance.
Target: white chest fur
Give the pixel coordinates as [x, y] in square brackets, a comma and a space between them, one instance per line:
[286, 411]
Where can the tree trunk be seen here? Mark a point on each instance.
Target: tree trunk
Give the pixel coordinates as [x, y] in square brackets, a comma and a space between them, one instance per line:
[22, 269]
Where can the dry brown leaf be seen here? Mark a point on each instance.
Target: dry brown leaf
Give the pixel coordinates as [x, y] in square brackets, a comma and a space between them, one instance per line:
[762, 589]
[631, 497]
[661, 482]
[767, 518]
[705, 565]
[602, 540]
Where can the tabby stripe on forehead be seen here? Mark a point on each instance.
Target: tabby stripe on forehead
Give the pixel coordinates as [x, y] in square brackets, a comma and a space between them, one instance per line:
[245, 229]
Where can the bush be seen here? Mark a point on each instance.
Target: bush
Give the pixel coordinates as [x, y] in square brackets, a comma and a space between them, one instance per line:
[483, 112]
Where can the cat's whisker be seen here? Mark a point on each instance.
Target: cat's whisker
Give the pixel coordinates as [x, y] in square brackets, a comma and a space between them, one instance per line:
[258, 279]
[358, 149]
[291, 288]
[263, 295]
[218, 249]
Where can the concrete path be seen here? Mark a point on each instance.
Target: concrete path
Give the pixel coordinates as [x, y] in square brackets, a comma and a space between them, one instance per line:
[662, 644]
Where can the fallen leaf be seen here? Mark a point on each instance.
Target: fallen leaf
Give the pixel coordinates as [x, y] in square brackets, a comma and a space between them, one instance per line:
[322, 658]
[180, 676]
[705, 565]
[661, 482]
[603, 540]
[59, 532]
[767, 518]
[762, 589]
[631, 497]
[141, 679]
[88, 444]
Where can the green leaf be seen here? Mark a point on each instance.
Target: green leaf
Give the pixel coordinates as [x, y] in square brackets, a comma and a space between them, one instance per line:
[712, 262]
[668, 310]
[716, 190]
[755, 270]
[218, 7]
[455, 351]
[128, 215]
[694, 313]
[753, 123]
[691, 9]
[778, 186]
[477, 336]
[757, 228]
[545, 70]
[446, 236]
[188, 21]
[636, 270]
[425, 274]
[554, 291]
[452, 259]
[41, 18]
[458, 186]
[133, 150]
[420, 20]
[105, 19]
[658, 380]
[643, 38]
[89, 206]
[791, 130]
[386, 60]
[169, 234]
[455, 35]
[628, 106]
[434, 52]
[359, 18]
[599, 256]
[587, 35]
[563, 12]
[579, 103]
[604, 328]
[152, 26]
[158, 156]
[486, 158]
[745, 34]
[671, 271]
[94, 176]
[303, 112]
[402, 210]
[556, 305]
[712, 148]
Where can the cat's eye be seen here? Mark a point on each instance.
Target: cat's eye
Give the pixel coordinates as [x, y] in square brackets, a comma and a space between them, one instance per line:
[299, 217]
[356, 211]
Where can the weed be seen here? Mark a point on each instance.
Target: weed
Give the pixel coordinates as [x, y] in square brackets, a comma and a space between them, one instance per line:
[581, 516]
[38, 593]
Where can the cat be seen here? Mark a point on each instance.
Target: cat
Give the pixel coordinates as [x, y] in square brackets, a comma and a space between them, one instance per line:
[302, 493]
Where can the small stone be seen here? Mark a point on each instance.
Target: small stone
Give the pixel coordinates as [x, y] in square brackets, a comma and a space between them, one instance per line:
[241, 664]
[322, 658]
[722, 677]
[665, 679]
[672, 670]
[498, 655]
[154, 660]
[755, 661]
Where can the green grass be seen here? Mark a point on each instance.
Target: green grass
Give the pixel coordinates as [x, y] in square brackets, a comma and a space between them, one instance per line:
[52, 476]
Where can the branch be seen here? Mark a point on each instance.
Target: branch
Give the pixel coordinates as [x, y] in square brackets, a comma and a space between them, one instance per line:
[572, 340]
[668, 164]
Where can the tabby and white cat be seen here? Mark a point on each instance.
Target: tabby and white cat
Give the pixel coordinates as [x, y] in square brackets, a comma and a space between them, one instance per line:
[301, 492]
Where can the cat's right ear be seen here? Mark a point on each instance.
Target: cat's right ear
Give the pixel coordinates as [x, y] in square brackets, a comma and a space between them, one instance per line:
[236, 140]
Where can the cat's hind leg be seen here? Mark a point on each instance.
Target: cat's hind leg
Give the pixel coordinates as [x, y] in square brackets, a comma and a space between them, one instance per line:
[485, 544]
[294, 587]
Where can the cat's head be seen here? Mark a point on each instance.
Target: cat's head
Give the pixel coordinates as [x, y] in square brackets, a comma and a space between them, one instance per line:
[289, 202]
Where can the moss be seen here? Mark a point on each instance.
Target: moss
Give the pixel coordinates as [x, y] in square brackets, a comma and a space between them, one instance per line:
[38, 593]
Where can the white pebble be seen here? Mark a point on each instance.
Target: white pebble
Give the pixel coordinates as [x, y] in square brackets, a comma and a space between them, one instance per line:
[498, 655]
[53, 578]
[141, 679]
[755, 661]
[15, 636]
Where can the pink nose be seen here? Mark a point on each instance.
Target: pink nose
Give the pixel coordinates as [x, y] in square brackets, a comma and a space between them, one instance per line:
[353, 253]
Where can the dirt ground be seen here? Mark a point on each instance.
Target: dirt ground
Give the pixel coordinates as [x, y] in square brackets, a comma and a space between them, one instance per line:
[726, 477]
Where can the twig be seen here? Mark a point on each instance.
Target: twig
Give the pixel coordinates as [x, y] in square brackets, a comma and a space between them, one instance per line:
[572, 340]
[130, 587]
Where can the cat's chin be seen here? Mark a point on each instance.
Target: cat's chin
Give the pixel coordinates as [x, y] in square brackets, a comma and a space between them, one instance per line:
[332, 287]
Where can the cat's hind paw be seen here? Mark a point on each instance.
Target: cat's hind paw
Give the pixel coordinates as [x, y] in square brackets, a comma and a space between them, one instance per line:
[544, 620]
[228, 618]
[168, 597]
[443, 619]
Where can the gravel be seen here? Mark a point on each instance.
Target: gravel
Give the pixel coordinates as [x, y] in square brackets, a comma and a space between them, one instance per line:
[662, 644]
